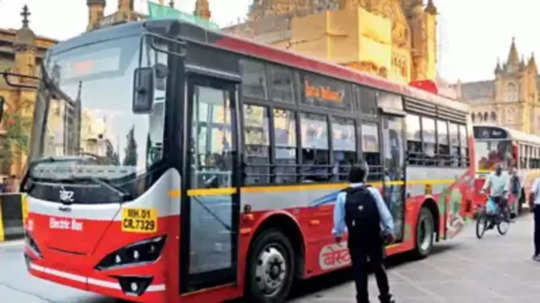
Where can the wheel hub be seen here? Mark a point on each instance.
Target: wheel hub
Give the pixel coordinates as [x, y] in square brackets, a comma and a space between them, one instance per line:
[425, 235]
[271, 270]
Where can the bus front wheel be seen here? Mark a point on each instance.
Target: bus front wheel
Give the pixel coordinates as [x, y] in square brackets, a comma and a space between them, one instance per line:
[425, 228]
[270, 271]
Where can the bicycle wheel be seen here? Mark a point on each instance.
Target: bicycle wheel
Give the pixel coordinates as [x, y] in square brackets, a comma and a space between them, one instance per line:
[481, 224]
[503, 225]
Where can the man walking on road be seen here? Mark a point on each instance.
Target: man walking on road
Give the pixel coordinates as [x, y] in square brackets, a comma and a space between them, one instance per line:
[535, 207]
[369, 223]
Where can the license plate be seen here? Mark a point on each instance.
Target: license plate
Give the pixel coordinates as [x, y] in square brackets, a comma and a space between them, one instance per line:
[139, 220]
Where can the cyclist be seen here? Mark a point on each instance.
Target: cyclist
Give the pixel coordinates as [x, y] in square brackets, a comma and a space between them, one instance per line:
[498, 185]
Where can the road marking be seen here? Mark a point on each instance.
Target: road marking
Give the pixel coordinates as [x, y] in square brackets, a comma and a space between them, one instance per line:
[12, 243]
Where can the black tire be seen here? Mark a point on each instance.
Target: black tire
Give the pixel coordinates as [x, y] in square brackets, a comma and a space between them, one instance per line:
[425, 228]
[271, 256]
[504, 222]
[481, 224]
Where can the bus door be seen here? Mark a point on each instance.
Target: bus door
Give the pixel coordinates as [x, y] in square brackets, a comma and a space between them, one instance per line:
[210, 206]
[394, 169]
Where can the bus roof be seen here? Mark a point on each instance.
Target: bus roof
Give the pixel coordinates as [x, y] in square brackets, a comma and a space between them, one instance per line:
[278, 55]
[196, 34]
[514, 134]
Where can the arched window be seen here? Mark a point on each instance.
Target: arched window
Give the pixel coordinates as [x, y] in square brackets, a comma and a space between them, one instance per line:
[473, 117]
[512, 92]
[485, 117]
[493, 117]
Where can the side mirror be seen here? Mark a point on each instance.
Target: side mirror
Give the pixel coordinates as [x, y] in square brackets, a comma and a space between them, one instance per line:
[2, 102]
[143, 90]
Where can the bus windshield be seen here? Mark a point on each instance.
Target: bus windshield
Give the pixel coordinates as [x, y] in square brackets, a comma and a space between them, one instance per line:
[489, 153]
[89, 129]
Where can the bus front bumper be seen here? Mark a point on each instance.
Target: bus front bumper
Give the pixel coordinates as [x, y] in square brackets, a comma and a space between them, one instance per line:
[135, 288]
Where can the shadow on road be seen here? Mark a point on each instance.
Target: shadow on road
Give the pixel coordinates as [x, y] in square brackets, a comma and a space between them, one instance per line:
[323, 283]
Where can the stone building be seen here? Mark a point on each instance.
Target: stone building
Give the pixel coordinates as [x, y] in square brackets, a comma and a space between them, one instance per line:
[126, 12]
[395, 39]
[511, 100]
[21, 52]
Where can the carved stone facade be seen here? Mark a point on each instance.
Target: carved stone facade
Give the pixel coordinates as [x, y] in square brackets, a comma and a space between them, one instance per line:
[21, 52]
[391, 38]
[511, 100]
[125, 13]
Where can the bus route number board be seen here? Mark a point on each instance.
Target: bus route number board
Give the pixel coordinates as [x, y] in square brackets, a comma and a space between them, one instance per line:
[139, 220]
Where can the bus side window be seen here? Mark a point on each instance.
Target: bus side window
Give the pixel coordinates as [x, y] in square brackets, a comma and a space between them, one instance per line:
[464, 146]
[285, 146]
[344, 147]
[429, 136]
[281, 84]
[253, 79]
[454, 145]
[315, 152]
[371, 150]
[256, 145]
[367, 101]
[414, 140]
[443, 150]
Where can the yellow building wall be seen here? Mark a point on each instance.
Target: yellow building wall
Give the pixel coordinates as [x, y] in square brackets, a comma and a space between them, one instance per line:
[351, 37]
[431, 29]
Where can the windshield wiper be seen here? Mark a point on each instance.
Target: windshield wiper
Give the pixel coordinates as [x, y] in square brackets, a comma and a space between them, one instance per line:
[105, 183]
[50, 159]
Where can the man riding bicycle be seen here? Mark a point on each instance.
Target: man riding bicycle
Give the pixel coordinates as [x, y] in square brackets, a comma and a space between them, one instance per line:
[498, 185]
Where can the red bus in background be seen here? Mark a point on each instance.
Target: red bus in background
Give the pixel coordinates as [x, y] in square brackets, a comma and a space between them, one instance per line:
[510, 148]
[184, 165]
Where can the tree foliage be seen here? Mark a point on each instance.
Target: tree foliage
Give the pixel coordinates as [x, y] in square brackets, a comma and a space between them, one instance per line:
[130, 158]
[15, 141]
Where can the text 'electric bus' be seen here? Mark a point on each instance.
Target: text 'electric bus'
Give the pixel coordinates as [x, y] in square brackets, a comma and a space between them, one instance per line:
[510, 148]
[175, 164]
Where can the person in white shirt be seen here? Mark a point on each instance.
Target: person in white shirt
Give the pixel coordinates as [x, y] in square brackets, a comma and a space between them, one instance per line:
[535, 207]
[498, 185]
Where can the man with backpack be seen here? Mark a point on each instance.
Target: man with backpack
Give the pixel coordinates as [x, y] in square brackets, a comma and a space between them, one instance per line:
[534, 204]
[370, 226]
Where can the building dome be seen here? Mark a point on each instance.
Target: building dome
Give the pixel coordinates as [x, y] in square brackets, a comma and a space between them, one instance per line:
[25, 36]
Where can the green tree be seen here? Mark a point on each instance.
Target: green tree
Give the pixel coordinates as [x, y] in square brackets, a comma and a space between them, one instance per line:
[15, 141]
[130, 158]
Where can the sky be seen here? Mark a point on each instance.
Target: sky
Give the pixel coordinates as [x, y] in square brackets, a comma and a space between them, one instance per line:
[473, 33]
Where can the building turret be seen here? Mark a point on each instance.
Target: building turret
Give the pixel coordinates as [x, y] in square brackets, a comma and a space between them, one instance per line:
[512, 64]
[430, 8]
[25, 48]
[532, 65]
[125, 5]
[96, 9]
[202, 9]
[498, 69]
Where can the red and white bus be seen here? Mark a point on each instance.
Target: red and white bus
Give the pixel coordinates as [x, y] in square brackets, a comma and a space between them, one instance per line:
[510, 148]
[174, 164]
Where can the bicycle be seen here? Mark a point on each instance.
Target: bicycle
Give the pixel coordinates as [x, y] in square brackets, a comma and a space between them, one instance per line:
[500, 218]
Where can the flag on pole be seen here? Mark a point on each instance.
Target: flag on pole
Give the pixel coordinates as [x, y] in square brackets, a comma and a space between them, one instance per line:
[157, 11]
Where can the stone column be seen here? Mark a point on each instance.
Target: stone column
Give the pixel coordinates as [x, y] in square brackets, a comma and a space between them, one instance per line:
[202, 9]
[21, 107]
[96, 10]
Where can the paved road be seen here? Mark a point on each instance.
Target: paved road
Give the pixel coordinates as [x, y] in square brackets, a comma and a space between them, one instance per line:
[495, 269]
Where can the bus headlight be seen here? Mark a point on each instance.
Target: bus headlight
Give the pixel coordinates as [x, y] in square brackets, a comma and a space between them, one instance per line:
[140, 253]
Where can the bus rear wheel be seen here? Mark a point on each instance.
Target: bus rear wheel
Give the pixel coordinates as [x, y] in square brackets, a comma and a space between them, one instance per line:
[425, 228]
[270, 268]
